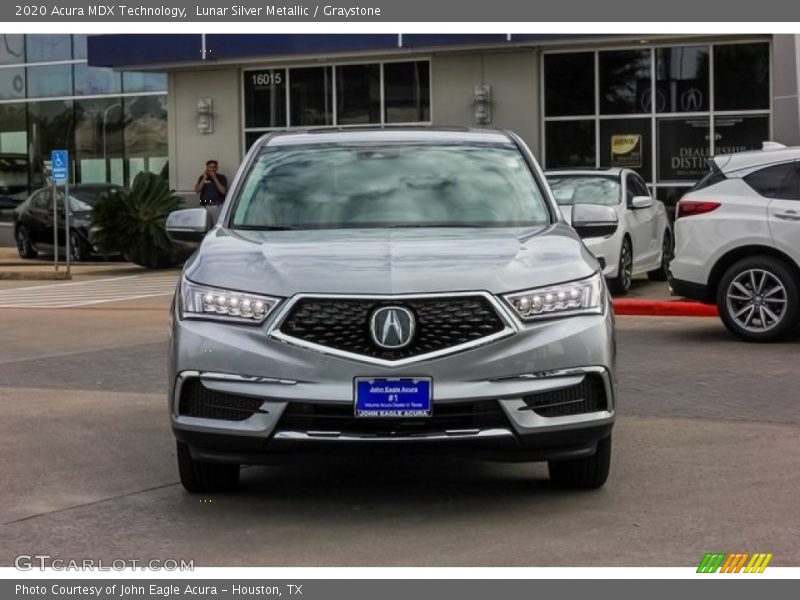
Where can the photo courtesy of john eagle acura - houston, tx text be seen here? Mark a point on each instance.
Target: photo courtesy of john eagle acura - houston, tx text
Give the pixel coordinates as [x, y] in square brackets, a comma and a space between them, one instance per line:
[402, 291]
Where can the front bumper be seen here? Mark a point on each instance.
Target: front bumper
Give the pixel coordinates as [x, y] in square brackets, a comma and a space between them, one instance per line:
[606, 250]
[542, 357]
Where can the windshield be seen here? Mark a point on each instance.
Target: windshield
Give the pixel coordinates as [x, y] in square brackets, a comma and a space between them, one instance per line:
[84, 199]
[585, 189]
[325, 186]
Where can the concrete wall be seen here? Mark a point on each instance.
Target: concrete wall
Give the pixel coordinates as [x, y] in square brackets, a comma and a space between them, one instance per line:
[188, 148]
[514, 77]
[786, 89]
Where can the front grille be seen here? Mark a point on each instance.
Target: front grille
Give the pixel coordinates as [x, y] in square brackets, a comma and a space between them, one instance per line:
[199, 401]
[343, 324]
[304, 417]
[588, 396]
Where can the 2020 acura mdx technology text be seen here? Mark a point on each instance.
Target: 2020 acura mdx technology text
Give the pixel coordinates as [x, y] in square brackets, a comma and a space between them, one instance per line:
[408, 290]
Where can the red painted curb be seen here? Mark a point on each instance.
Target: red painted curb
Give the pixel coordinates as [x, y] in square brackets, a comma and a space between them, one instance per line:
[668, 308]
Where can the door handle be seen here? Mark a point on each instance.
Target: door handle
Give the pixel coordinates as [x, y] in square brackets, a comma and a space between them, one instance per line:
[789, 215]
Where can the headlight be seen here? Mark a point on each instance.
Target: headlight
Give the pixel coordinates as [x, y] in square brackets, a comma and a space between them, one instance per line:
[577, 297]
[204, 302]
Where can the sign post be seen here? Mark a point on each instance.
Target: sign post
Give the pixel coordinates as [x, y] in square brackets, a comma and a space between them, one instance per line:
[59, 159]
[55, 221]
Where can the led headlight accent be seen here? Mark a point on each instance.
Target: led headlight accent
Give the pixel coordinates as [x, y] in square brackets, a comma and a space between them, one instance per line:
[203, 302]
[578, 297]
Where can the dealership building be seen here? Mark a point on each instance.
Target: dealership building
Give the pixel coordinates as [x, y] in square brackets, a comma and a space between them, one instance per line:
[113, 123]
[166, 103]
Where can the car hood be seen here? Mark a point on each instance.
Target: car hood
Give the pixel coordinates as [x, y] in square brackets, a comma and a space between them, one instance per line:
[389, 261]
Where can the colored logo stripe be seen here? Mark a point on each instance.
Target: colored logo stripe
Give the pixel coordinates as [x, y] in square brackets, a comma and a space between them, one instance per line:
[758, 563]
[734, 563]
[711, 562]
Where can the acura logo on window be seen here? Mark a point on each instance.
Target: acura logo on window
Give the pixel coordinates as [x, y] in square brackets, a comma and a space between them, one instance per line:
[392, 327]
[691, 99]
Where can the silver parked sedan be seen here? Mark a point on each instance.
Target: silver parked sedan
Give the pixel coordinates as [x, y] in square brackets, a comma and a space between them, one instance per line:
[397, 291]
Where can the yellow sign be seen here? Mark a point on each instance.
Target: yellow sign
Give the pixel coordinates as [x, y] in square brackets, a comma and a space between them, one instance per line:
[626, 150]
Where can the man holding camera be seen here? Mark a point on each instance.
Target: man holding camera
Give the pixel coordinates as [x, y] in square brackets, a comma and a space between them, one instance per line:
[211, 185]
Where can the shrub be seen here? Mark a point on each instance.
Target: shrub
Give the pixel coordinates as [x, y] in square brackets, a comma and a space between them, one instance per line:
[133, 223]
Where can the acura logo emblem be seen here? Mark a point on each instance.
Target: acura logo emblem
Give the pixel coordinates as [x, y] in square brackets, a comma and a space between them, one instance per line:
[392, 327]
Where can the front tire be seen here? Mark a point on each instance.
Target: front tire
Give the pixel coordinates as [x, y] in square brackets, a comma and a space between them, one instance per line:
[758, 299]
[24, 244]
[620, 284]
[587, 473]
[200, 477]
[662, 272]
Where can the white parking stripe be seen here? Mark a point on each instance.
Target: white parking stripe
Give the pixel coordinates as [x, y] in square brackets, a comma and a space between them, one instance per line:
[83, 293]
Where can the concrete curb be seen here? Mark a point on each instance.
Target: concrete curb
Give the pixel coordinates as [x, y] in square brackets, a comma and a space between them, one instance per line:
[664, 308]
[34, 275]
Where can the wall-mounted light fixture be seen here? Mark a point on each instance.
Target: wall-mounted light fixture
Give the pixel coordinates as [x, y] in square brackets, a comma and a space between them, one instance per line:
[482, 101]
[205, 115]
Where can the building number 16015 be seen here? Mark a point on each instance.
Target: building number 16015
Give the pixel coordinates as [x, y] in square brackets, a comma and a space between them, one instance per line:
[268, 78]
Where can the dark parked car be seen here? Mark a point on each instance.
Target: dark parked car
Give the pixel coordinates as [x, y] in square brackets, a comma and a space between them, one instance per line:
[34, 227]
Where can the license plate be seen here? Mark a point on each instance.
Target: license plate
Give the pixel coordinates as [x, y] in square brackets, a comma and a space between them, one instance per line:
[393, 397]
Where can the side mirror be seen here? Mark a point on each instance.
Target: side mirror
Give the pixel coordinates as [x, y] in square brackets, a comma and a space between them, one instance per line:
[188, 225]
[641, 202]
[594, 220]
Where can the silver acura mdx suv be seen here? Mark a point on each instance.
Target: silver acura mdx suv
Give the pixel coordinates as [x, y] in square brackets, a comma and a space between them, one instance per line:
[398, 291]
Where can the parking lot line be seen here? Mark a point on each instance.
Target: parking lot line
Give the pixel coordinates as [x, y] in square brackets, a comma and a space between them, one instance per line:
[83, 293]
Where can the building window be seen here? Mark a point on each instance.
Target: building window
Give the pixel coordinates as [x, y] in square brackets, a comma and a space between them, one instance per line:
[682, 79]
[683, 149]
[311, 96]
[95, 80]
[135, 82]
[50, 80]
[99, 148]
[661, 111]
[265, 98]
[624, 77]
[49, 47]
[358, 94]
[737, 133]
[12, 49]
[741, 77]
[12, 83]
[626, 143]
[50, 126]
[319, 96]
[145, 134]
[407, 92]
[580, 152]
[569, 84]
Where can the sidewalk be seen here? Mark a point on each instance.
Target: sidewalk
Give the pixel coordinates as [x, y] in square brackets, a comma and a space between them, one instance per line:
[13, 269]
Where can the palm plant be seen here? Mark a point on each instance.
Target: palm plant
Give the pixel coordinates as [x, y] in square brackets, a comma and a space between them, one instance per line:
[133, 223]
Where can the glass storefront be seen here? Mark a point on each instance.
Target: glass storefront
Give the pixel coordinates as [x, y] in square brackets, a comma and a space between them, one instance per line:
[661, 111]
[114, 124]
[333, 95]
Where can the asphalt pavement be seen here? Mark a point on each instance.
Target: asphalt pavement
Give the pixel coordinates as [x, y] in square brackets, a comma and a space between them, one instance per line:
[705, 459]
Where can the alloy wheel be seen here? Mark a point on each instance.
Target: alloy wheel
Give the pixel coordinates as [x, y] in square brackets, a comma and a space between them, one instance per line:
[626, 266]
[756, 300]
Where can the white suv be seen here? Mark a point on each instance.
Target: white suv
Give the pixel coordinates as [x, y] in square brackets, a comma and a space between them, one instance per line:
[737, 235]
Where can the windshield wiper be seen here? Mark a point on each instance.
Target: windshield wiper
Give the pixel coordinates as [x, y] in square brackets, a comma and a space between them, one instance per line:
[409, 225]
[267, 227]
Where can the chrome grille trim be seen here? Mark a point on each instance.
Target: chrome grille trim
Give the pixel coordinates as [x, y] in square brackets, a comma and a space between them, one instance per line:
[502, 311]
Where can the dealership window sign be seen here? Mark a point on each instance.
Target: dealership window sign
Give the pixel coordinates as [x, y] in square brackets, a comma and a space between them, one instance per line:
[626, 151]
[684, 149]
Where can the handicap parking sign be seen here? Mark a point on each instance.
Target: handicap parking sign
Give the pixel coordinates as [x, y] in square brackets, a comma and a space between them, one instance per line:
[59, 160]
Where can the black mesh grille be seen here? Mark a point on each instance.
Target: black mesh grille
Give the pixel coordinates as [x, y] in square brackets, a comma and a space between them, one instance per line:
[198, 401]
[300, 416]
[343, 324]
[587, 396]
